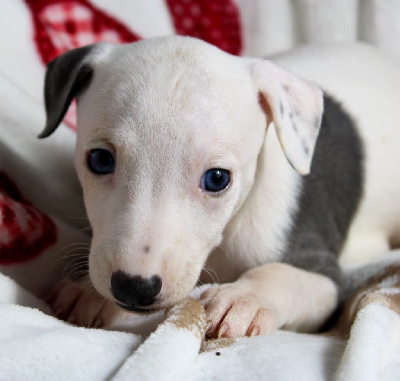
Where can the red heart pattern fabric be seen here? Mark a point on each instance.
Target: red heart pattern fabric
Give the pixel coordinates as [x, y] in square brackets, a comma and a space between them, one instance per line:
[25, 232]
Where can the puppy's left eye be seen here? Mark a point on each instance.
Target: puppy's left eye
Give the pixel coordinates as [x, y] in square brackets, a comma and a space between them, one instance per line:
[101, 161]
[215, 180]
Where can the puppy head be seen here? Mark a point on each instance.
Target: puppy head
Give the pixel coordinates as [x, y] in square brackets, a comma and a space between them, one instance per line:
[169, 131]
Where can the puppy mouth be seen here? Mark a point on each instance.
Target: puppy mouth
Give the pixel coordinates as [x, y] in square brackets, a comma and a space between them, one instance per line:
[137, 309]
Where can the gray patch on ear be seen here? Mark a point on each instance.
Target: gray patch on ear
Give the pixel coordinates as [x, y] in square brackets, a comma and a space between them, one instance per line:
[281, 108]
[305, 146]
[66, 77]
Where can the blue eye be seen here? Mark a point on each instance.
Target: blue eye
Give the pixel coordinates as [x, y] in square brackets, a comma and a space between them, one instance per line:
[215, 180]
[101, 161]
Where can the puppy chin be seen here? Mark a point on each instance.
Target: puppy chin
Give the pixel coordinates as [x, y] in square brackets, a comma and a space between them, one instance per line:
[161, 304]
[138, 310]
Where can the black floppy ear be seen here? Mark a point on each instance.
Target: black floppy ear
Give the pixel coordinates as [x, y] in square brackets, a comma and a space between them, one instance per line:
[66, 77]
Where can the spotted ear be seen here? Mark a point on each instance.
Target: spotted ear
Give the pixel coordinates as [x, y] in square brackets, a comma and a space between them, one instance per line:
[66, 77]
[294, 106]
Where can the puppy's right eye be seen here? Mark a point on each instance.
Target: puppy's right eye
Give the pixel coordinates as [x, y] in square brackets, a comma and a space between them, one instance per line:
[101, 161]
[215, 180]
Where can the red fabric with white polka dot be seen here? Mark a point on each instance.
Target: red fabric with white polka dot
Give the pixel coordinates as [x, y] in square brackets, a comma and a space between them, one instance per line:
[214, 21]
[61, 25]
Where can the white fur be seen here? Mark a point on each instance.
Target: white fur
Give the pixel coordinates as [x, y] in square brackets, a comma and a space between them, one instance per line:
[166, 128]
[257, 235]
[163, 145]
[170, 109]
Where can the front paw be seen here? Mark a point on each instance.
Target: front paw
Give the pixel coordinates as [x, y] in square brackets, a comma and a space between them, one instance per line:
[76, 304]
[235, 310]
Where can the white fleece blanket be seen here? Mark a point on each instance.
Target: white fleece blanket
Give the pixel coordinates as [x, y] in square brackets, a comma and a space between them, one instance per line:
[43, 224]
[36, 346]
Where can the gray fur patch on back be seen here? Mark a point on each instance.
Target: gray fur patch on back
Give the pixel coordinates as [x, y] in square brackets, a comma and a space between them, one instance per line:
[330, 196]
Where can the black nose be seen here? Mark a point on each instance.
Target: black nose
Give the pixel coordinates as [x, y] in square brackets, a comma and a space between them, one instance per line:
[135, 290]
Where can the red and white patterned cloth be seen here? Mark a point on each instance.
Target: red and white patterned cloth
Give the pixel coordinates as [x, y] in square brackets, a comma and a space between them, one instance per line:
[61, 25]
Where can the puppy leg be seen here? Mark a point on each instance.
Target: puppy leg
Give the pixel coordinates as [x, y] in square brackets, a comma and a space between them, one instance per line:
[269, 297]
[75, 303]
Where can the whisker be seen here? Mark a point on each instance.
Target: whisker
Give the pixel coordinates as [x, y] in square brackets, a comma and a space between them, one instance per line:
[75, 263]
[73, 253]
[83, 252]
[79, 254]
[211, 269]
[73, 269]
[85, 229]
[82, 244]
[212, 273]
[74, 217]
[77, 275]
